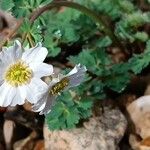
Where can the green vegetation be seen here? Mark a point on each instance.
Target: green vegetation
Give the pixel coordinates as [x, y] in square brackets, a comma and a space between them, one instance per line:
[120, 25]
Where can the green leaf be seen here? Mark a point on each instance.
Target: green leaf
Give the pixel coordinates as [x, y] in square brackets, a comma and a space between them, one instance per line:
[67, 112]
[140, 61]
[118, 82]
[84, 107]
[26, 26]
[85, 103]
[98, 58]
[142, 36]
[85, 58]
[72, 117]
[6, 4]
[104, 42]
[53, 123]
[53, 49]
[118, 77]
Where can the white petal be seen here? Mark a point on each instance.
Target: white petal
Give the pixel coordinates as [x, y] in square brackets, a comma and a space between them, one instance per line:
[38, 107]
[11, 54]
[75, 81]
[76, 75]
[76, 69]
[45, 103]
[23, 91]
[42, 98]
[41, 70]
[49, 103]
[9, 95]
[17, 50]
[17, 99]
[73, 71]
[36, 87]
[4, 89]
[35, 54]
[5, 58]
[2, 73]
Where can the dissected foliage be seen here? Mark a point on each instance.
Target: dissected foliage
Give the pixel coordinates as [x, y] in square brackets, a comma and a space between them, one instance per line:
[61, 29]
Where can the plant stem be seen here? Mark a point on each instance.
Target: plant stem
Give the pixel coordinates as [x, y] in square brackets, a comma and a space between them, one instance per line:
[30, 40]
[83, 9]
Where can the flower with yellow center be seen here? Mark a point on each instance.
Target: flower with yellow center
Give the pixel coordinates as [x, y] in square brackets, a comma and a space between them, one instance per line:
[21, 72]
[18, 73]
[58, 85]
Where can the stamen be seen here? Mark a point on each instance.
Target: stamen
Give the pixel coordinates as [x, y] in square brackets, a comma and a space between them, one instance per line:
[18, 74]
[60, 86]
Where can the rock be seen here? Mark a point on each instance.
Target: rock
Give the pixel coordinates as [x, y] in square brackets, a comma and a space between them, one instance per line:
[8, 130]
[99, 133]
[39, 145]
[139, 113]
[138, 144]
[134, 141]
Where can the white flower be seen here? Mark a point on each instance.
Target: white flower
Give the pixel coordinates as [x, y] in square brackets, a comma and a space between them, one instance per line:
[57, 85]
[20, 74]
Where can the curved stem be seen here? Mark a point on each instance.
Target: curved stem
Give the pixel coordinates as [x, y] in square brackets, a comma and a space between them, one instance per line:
[76, 6]
[83, 9]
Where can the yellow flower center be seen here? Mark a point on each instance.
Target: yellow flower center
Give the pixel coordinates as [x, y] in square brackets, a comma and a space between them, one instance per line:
[60, 86]
[18, 74]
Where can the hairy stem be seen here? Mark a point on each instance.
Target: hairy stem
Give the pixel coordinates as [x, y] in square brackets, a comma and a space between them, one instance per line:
[30, 40]
[83, 9]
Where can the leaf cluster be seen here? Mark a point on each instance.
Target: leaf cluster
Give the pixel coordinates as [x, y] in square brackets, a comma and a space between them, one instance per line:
[59, 28]
[67, 111]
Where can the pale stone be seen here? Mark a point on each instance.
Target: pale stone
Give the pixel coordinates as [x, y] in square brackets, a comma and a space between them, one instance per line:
[99, 133]
[138, 144]
[8, 129]
[139, 112]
